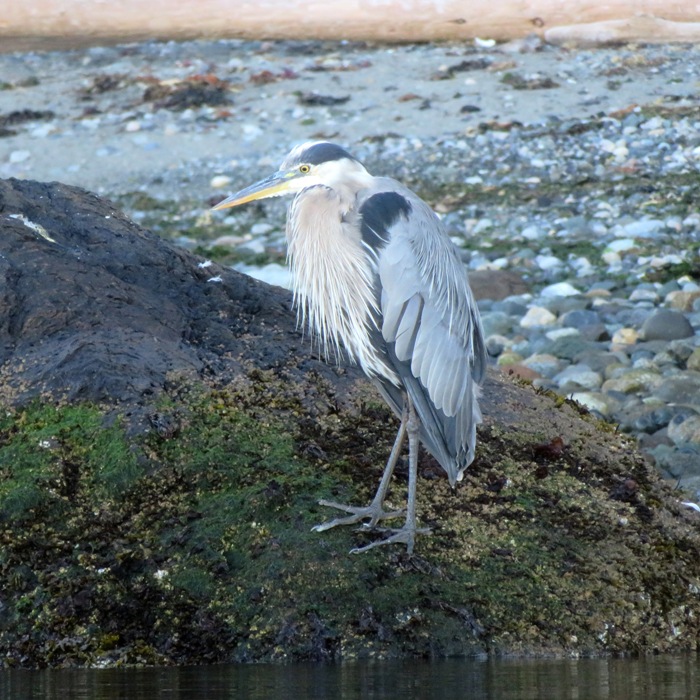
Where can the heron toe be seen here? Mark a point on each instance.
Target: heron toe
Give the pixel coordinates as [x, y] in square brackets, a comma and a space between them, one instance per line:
[374, 512]
[405, 535]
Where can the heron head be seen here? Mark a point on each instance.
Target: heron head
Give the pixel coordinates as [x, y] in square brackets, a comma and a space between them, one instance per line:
[308, 165]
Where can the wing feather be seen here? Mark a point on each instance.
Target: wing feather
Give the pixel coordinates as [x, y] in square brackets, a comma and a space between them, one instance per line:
[408, 328]
[457, 388]
[431, 325]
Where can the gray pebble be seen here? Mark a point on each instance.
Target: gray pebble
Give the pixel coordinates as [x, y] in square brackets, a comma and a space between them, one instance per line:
[643, 228]
[496, 323]
[577, 378]
[580, 317]
[570, 346]
[682, 429]
[666, 324]
[681, 389]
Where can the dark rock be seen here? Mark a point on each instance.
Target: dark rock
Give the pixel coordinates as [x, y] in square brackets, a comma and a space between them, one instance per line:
[193, 92]
[313, 99]
[570, 347]
[597, 360]
[513, 306]
[649, 419]
[22, 116]
[651, 346]
[495, 345]
[680, 389]
[496, 323]
[666, 324]
[577, 318]
[635, 317]
[681, 349]
[642, 354]
[564, 305]
[595, 332]
[108, 310]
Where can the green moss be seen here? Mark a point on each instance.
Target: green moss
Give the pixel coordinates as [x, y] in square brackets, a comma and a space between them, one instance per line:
[203, 550]
[44, 449]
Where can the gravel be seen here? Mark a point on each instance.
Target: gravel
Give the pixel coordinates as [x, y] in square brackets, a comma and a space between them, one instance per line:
[576, 170]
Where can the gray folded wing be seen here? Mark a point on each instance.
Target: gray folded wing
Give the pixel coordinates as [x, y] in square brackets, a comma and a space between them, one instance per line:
[431, 326]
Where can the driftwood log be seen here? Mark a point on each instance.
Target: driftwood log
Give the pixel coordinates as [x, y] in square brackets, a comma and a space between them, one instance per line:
[69, 23]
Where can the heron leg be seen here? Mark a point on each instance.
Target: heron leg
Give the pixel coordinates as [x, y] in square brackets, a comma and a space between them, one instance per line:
[375, 510]
[406, 534]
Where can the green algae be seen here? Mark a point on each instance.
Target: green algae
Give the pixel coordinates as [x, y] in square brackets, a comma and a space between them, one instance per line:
[42, 450]
[204, 552]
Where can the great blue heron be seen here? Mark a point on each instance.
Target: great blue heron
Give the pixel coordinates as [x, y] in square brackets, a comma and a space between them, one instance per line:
[376, 273]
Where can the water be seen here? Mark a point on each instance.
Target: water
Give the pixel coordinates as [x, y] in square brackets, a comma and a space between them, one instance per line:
[656, 678]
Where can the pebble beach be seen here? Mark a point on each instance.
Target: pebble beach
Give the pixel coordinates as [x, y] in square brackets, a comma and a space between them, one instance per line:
[570, 174]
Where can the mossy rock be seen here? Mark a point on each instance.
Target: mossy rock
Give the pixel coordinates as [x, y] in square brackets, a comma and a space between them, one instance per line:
[164, 444]
[192, 542]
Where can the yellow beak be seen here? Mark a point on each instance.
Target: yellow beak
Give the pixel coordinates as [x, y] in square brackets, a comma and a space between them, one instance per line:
[273, 186]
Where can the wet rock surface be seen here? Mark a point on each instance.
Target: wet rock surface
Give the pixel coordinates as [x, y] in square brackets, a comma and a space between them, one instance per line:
[185, 537]
[95, 308]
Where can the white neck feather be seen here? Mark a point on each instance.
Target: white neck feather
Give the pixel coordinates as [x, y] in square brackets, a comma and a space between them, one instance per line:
[334, 288]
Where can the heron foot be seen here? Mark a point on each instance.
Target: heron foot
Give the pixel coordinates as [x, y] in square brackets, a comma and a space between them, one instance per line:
[374, 512]
[405, 535]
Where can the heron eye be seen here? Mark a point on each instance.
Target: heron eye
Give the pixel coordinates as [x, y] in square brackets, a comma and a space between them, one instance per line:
[304, 168]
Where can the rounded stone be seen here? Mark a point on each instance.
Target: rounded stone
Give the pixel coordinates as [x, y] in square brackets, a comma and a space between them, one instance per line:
[570, 346]
[509, 358]
[496, 323]
[251, 247]
[643, 294]
[593, 401]
[577, 377]
[564, 304]
[513, 306]
[496, 344]
[548, 262]
[683, 388]
[633, 381]
[681, 300]
[683, 430]
[557, 333]
[560, 289]
[682, 349]
[666, 324]
[600, 361]
[537, 316]
[219, 181]
[261, 228]
[682, 465]
[227, 241]
[621, 245]
[19, 156]
[596, 331]
[624, 336]
[579, 318]
[544, 364]
[645, 228]
[693, 362]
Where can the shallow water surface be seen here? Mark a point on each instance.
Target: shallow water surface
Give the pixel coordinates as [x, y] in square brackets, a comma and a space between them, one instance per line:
[660, 678]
